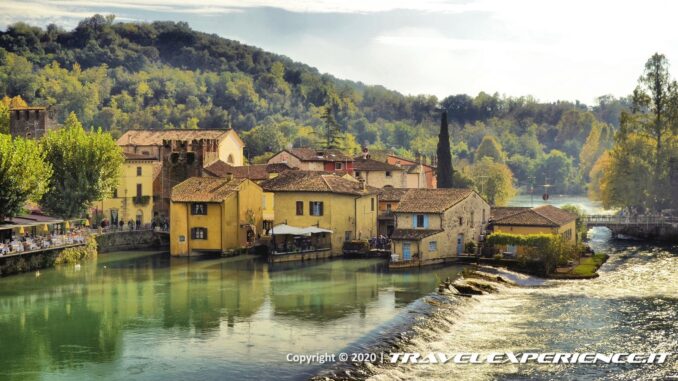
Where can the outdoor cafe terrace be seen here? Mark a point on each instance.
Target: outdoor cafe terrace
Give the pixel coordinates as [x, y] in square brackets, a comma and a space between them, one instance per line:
[33, 233]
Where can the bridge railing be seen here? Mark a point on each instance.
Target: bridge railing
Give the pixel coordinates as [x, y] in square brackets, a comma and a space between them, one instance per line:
[627, 220]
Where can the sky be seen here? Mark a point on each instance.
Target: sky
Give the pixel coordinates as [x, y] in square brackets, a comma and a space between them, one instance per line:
[551, 50]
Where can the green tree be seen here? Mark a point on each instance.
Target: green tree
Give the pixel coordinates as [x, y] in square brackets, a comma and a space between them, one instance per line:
[86, 167]
[557, 170]
[493, 180]
[654, 115]
[444, 170]
[490, 147]
[23, 174]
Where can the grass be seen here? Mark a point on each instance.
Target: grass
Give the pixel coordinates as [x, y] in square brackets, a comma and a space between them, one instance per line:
[588, 266]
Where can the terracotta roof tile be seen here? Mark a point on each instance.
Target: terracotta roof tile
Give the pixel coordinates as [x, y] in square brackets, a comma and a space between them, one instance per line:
[252, 172]
[413, 234]
[360, 164]
[310, 181]
[545, 215]
[431, 200]
[498, 212]
[392, 194]
[205, 189]
[310, 154]
[156, 137]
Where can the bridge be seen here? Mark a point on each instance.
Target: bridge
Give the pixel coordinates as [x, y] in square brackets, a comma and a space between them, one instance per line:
[643, 226]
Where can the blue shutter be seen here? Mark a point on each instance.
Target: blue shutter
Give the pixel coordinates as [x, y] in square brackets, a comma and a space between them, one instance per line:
[425, 221]
[414, 221]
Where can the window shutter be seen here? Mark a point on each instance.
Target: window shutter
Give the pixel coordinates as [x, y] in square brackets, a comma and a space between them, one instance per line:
[425, 221]
[414, 221]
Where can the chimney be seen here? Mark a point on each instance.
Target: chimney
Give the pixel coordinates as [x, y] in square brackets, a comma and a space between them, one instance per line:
[229, 176]
[366, 153]
[363, 185]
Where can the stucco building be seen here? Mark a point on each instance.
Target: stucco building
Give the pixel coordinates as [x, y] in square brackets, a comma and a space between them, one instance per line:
[433, 225]
[181, 154]
[309, 159]
[305, 199]
[544, 219]
[132, 199]
[214, 215]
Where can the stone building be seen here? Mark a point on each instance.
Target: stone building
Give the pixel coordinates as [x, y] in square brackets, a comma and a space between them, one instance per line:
[434, 225]
[29, 122]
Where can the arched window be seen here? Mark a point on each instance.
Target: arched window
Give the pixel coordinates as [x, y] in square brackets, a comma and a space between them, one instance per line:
[230, 158]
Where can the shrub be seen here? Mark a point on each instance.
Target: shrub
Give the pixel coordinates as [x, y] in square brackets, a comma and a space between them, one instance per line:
[498, 256]
[77, 254]
[470, 247]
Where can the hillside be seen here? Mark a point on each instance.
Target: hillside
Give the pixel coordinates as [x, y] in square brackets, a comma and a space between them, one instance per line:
[121, 76]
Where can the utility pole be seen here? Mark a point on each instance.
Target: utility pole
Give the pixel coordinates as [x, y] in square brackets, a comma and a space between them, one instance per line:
[531, 178]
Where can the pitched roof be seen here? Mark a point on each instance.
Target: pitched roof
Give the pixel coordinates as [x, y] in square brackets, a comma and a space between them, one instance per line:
[431, 200]
[499, 212]
[392, 194]
[156, 137]
[413, 234]
[310, 181]
[205, 189]
[310, 154]
[253, 172]
[361, 164]
[545, 215]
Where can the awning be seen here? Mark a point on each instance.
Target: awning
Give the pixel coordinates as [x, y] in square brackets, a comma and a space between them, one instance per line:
[283, 229]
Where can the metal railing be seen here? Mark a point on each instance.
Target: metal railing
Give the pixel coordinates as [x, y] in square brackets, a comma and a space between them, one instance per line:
[628, 220]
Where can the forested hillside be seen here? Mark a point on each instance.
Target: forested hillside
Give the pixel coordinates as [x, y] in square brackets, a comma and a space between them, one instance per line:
[121, 76]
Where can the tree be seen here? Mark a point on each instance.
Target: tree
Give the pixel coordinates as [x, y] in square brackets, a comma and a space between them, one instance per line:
[654, 114]
[86, 167]
[490, 147]
[23, 174]
[4, 115]
[557, 170]
[493, 180]
[332, 132]
[444, 170]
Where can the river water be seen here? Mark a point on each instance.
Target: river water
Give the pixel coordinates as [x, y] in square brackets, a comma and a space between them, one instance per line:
[146, 316]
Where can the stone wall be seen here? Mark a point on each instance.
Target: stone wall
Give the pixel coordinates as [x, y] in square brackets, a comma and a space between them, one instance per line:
[132, 240]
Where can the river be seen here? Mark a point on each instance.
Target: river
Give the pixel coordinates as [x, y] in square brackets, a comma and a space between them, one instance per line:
[146, 316]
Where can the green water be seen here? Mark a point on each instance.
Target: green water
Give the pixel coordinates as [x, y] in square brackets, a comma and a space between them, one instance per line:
[146, 316]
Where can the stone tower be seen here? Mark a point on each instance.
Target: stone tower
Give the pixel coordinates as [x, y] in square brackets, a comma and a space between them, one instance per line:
[29, 122]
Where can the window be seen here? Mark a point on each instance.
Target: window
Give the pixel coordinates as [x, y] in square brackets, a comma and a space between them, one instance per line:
[230, 159]
[433, 246]
[198, 233]
[472, 218]
[388, 207]
[138, 171]
[419, 220]
[347, 235]
[199, 208]
[483, 216]
[388, 173]
[115, 193]
[372, 203]
[357, 173]
[461, 221]
[338, 166]
[139, 191]
[300, 208]
[315, 208]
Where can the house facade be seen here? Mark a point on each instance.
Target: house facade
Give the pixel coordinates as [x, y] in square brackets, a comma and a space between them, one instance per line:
[316, 199]
[433, 225]
[215, 215]
[132, 199]
[181, 154]
[309, 159]
[389, 198]
[544, 219]
[379, 174]
[419, 174]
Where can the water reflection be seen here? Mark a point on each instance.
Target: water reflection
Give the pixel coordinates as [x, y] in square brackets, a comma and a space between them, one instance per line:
[146, 314]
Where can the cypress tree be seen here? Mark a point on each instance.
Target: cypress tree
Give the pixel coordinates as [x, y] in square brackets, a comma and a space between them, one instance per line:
[444, 156]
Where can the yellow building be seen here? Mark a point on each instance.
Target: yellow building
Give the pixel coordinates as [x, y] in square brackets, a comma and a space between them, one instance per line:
[545, 219]
[132, 199]
[433, 225]
[214, 215]
[346, 207]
